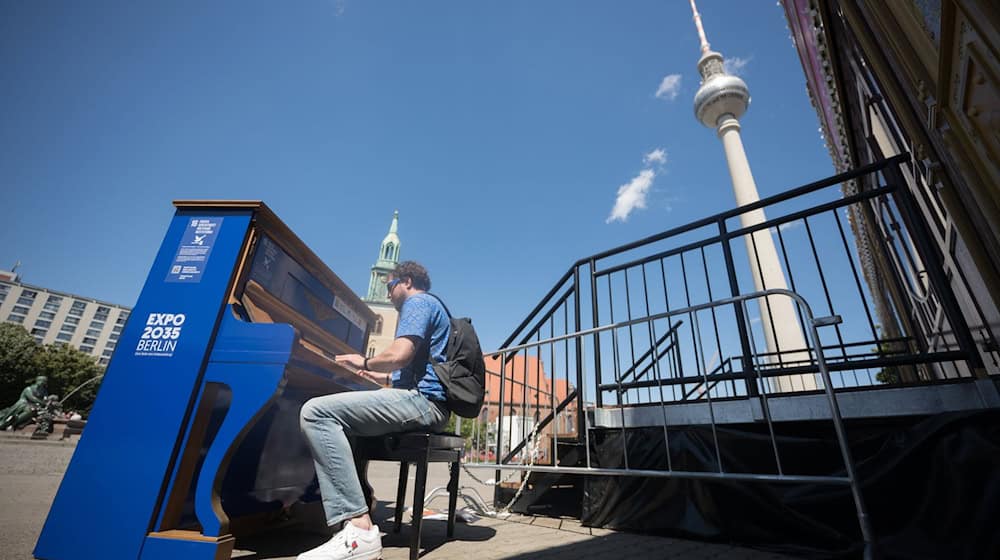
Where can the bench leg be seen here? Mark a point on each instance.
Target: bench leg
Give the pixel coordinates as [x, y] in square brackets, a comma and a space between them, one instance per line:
[404, 472]
[455, 469]
[418, 508]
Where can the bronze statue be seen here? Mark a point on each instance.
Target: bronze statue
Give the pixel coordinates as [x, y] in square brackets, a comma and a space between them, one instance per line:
[22, 412]
[45, 423]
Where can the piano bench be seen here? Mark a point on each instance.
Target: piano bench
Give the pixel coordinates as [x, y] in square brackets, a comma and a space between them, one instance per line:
[420, 448]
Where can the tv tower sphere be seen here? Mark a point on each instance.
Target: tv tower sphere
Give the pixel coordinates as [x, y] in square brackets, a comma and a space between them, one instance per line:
[720, 93]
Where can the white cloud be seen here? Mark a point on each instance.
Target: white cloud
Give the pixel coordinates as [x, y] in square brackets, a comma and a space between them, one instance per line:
[669, 87]
[790, 225]
[657, 156]
[734, 65]
[632, 195]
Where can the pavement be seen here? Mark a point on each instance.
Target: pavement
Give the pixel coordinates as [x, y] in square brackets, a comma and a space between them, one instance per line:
[30, 472]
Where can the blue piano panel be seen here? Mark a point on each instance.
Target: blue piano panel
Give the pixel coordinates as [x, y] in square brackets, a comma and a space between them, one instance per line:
[121, 461]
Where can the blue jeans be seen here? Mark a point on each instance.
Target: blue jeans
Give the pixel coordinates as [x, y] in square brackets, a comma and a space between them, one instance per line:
[329, 420]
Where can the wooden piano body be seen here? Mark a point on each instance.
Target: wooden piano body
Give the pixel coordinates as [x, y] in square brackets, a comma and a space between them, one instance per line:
[194, 436]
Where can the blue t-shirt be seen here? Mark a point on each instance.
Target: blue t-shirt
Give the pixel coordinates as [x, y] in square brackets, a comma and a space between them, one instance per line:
[424, 318]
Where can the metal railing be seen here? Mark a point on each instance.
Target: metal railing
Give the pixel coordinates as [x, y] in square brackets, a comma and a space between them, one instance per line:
[509, 458]
[674, 325]
[895, 333]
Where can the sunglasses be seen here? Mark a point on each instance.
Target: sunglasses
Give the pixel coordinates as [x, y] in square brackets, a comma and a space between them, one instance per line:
[391, 284]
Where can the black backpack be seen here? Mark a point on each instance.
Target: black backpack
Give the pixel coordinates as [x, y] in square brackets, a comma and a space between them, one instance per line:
[463, 373]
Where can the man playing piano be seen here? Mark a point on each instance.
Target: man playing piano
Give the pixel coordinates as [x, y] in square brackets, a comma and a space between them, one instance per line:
[415, 401]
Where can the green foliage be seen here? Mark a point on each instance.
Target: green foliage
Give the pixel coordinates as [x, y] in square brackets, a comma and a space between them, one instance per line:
[17, 354]
[469, 431]
[888, 375]
[67, 368]
[22, 359]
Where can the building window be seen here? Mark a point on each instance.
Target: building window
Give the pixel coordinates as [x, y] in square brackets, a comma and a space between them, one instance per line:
[68, 328]
[40, 324]
[93, 332]
[24, 300]
[122, 317]
[64, 336]
[39, 331]
[113, 337]
[97, 325]
[87, 349]
[107, 353]
[15, 318]
[78, 307]
[117, 329]
[103, 361]
[52, 303]
[47, 315]
[110, 346]
[3, 296]
[72, 320]
[4, 288]
[20, 309]
[89, 340]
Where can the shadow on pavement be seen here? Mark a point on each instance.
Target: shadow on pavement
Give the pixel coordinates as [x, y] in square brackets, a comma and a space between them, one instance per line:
[290, 541]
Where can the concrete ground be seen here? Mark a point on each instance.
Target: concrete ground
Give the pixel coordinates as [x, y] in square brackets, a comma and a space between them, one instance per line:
[30, 472]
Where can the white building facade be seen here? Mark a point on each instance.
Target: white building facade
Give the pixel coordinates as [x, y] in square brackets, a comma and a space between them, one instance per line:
[52, 317]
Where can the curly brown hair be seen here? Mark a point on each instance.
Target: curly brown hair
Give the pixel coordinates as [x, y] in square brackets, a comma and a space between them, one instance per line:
[415, 272]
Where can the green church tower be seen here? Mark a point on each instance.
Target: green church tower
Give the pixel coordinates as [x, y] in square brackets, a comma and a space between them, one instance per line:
[388, 258]
[384, 330]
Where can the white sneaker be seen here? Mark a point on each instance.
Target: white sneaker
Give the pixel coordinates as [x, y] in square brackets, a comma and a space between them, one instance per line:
[350, 543]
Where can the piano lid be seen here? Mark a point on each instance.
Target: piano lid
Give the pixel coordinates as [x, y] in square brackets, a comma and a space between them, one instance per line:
[300, 288]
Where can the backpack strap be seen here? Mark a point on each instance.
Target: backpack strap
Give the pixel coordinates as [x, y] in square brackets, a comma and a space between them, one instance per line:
[429, 360]
[441, 302]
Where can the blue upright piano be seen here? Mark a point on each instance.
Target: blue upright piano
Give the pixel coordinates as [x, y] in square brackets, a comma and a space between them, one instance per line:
[194, 437]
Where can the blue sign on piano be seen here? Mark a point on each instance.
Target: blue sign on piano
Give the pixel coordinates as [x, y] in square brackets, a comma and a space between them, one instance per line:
[194, 250]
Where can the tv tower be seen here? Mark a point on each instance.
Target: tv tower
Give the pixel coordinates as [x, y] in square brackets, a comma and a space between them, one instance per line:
[720, 102]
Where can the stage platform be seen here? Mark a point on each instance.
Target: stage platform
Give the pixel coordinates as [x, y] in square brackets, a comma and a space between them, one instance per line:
[862, 403]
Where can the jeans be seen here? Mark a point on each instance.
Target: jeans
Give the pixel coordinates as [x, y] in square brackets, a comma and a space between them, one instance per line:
[328, 421]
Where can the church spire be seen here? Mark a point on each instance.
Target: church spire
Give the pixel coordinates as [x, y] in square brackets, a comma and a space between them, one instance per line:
[388, 258]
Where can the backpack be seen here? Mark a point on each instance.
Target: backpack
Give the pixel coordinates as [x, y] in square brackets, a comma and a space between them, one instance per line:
[463, 373]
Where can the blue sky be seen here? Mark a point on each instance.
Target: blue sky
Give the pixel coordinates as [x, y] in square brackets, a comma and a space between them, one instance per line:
[502, 132]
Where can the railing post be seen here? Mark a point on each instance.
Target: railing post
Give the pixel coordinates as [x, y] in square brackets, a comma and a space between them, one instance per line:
[749, 373]
[917, 228]
[579, 353]
[499, 446]
[598, 396]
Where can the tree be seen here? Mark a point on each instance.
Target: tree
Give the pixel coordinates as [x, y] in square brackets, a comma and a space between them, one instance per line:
[17, 354]
[469, 431]
[67, 368]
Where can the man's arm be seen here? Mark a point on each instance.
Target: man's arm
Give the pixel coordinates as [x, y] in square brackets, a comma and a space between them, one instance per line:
[396, 356]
